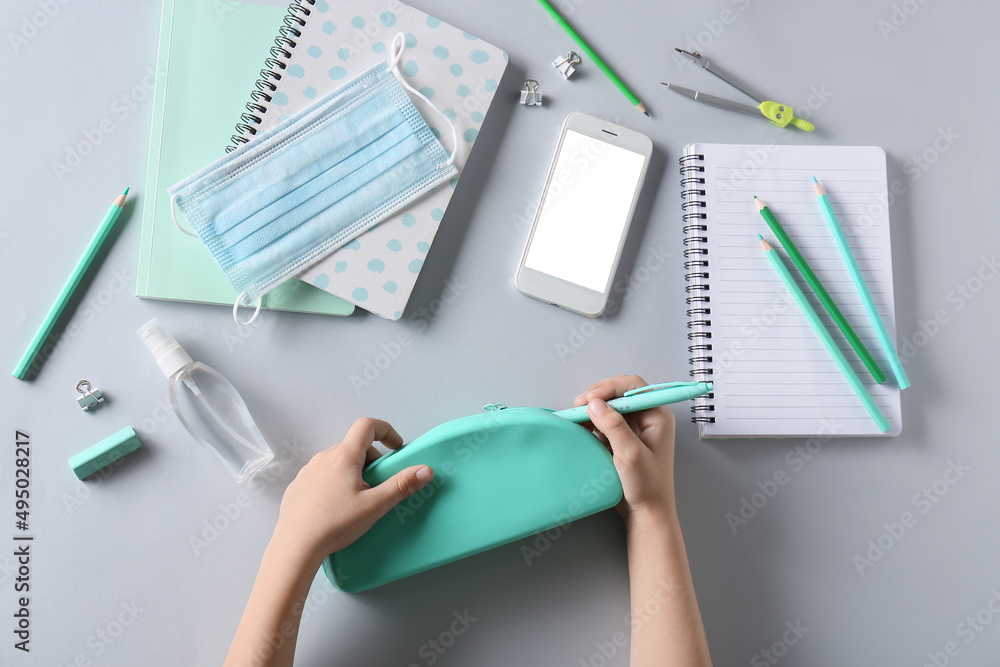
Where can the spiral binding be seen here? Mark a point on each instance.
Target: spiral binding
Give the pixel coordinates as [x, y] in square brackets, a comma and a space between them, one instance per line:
[696, 267]
[278, 61]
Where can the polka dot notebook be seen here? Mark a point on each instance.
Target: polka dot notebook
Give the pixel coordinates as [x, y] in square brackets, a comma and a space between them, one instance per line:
[326, 43]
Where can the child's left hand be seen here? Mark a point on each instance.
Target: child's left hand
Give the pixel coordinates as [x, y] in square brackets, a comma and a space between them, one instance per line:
[328, 505]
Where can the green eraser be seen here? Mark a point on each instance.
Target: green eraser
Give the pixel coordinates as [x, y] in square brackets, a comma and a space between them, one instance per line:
[104, 453]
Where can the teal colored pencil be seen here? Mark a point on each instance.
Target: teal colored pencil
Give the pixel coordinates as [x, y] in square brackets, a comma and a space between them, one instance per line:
[817, 325]
[859, 283]
[29, 356]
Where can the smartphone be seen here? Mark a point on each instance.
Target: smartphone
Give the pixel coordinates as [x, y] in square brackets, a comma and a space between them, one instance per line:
[580, 224]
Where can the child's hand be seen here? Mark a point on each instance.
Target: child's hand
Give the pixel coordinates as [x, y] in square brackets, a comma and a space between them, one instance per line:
[642, 444]
[328, 505]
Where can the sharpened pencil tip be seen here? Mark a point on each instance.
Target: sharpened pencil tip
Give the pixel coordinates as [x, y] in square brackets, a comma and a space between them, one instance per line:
[817, 188]
[765, 245]
[760, 236]
[126, 192]
[760, 205]
[814, 180]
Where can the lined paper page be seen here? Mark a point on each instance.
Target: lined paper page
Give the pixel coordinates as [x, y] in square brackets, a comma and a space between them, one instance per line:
[772, 374]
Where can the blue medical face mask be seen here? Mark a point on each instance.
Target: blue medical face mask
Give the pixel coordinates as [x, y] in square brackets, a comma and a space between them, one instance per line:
[299, 191]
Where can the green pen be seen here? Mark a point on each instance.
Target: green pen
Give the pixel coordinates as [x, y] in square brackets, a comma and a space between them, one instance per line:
[643, 398]
[49, 323]
[821, 293]
[824, 335]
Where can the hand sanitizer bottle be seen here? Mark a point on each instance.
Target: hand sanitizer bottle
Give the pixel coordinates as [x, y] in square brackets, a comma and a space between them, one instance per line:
[208, 406]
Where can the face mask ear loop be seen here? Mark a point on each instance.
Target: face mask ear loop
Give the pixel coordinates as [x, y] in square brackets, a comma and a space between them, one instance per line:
[173, 215]
[395, 53]
[236, 307]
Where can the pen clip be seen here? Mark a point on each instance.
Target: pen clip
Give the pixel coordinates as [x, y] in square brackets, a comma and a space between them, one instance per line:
[656, 387]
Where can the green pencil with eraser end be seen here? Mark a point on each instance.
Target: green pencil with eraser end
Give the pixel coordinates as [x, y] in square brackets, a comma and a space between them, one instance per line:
[859, 283]
[831, 346]
[820, 291]
[49, 323]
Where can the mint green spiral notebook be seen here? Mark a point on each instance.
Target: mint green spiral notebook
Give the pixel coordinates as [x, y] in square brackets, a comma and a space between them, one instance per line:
[209, 56]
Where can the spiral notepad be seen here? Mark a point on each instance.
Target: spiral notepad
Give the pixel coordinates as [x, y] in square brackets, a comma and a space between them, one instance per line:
[772, 375]
[325, 43]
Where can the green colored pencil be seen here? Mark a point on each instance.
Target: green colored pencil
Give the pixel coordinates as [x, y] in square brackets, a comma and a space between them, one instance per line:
[29, 356]
[859, 283]
[817, 287]
[817, 325]
[593, 56]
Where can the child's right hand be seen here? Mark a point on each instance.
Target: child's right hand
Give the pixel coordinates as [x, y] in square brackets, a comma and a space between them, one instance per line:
[642, 445]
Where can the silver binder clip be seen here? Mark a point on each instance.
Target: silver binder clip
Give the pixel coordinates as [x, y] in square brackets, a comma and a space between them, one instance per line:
[89, 396]
[567, 65]
[530, 95]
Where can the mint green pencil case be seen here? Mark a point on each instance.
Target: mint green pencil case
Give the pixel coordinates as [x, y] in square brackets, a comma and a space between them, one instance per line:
[498, 477]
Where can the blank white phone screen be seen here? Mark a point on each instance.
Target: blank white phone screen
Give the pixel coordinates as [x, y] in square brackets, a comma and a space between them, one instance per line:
[584, 211]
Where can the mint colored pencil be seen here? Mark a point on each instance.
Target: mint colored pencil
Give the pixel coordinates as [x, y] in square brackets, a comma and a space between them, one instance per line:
[820, 291]
[49, 323]
[824, 335]
[593, 56]
[859, 283]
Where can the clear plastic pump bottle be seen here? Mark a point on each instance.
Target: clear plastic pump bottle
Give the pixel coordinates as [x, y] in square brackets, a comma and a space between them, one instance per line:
[208, 406]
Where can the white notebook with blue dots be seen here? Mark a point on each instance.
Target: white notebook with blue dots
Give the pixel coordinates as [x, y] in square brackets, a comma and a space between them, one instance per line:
[322, 45]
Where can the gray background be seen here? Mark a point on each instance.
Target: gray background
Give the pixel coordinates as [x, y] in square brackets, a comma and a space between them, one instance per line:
[127, 538]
